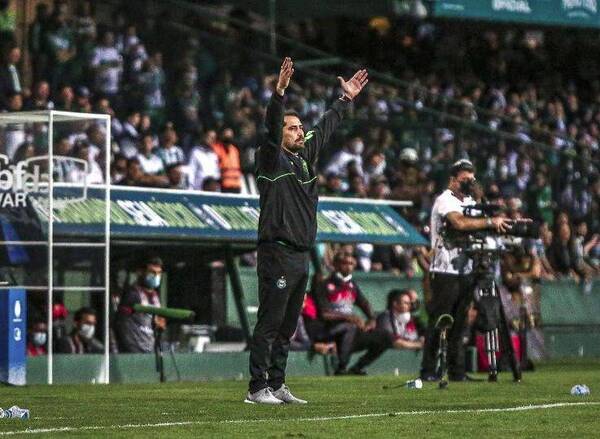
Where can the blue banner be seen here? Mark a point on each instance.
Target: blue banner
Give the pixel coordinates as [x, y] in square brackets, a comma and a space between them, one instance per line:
[13, 336]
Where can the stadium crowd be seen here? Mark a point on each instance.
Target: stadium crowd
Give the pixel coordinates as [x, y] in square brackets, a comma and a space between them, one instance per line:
[520, 104]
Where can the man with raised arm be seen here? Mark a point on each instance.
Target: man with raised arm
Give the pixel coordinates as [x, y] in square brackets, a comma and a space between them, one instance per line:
[287, 182]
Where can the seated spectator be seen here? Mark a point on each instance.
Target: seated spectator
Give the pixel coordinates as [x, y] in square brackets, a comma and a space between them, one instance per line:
[333, 186]
[178, 177]
[118, 169]
[351, 152]
[563, 256]
[137, 177]
[82, 100]
[335, 298]
[39, 100]
[37, 343]
[81, 340]
[204, 162]
[150, 162]
[135, 330]
[229, 162]
[211, 185]
[169, 152]
[399, 323]
[94, 172]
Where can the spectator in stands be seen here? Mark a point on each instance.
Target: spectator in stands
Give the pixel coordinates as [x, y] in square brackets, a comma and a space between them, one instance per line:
[118, 169]
[178, 177]
[229, 162]
[13, 134]
[333, 185]
[10, 78]
[37, 41]
[211, 185]
[107, 65]
[204, 162]
[66, 98]
[60, 44]
[150, 162]
[562, 253]
[77, 173]
[39, 99]
[81, 340]
[398, 322]
[37, 339]
[336, 297]
[130, 135]
[135, 330]
[152, 81]
[82, 100]
[351, 152]
[169, 152]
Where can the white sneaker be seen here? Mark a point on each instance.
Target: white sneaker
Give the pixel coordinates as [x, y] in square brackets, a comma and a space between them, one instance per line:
[284, 394]
[263, 396]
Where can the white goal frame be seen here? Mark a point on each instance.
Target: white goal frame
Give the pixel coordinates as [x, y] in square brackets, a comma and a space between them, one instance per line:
[50, 117]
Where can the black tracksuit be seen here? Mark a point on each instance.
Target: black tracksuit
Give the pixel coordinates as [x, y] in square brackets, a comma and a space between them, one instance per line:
[286, 232]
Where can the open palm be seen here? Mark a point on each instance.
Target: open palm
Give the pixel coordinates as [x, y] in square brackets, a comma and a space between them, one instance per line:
[354, 85]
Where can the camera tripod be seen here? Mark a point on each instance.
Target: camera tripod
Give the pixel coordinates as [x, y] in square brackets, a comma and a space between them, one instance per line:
[491, 318]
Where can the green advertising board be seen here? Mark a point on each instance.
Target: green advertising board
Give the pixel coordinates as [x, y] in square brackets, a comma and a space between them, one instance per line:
[583, 13]
[143, 213]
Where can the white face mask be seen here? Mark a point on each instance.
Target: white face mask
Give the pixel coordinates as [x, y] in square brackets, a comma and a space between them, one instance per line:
[403, 317]
[39, 338]
[344, 278]
[87, 331]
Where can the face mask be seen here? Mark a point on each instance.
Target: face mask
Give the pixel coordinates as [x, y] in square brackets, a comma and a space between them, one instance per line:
[467, 186]
[503, 171]
[39, 338]
[152, 280]
[404, 317]
[87, 331]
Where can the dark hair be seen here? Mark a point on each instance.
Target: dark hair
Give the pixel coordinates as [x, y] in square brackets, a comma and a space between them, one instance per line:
[394, 295]
[460, 166]
[83, 310]
[291, 113]
[152, 260]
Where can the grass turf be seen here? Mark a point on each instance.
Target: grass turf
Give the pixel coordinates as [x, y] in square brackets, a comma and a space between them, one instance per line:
[215, 409]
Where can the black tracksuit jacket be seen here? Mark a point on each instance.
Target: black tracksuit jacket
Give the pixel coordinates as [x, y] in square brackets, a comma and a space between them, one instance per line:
[287, 182]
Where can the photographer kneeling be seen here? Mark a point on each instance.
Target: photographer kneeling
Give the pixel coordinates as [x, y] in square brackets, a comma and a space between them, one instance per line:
[452, 283]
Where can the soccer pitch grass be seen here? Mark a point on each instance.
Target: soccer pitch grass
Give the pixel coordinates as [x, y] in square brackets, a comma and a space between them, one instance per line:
[539, 407]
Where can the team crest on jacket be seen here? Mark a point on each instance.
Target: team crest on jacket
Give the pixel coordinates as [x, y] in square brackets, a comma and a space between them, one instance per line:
[281, 283]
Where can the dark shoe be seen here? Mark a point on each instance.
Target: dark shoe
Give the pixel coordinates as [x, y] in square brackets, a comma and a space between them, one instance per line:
[429, 378]
[463, 378]
[341, 372]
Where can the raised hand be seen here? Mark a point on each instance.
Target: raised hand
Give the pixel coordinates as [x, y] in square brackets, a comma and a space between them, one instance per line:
[354, 85]
[285, 74]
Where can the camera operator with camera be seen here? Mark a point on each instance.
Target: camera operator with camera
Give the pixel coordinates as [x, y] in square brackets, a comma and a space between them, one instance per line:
[452, 282]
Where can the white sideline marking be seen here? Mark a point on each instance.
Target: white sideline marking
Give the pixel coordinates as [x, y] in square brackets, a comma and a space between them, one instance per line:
[314, 419]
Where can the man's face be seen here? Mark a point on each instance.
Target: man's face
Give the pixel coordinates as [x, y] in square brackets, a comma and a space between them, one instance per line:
[345, 265]
[457, 184]
[292, 138]
[87, 319]
[14, 56]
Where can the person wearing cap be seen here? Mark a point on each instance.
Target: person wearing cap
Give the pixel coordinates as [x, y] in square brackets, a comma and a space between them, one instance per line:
[451, 269]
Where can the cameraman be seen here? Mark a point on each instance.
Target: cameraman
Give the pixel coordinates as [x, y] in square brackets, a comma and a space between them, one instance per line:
[450, 271]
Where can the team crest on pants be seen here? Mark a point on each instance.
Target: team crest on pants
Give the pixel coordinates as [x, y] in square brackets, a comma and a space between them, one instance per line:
[281, 283]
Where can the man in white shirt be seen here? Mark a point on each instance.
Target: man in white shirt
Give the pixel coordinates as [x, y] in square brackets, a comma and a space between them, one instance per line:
[451, 280]
[204, 162]
[108, 65]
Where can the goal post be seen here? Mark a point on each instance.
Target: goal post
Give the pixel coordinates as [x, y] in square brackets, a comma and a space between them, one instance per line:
[28, 185]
